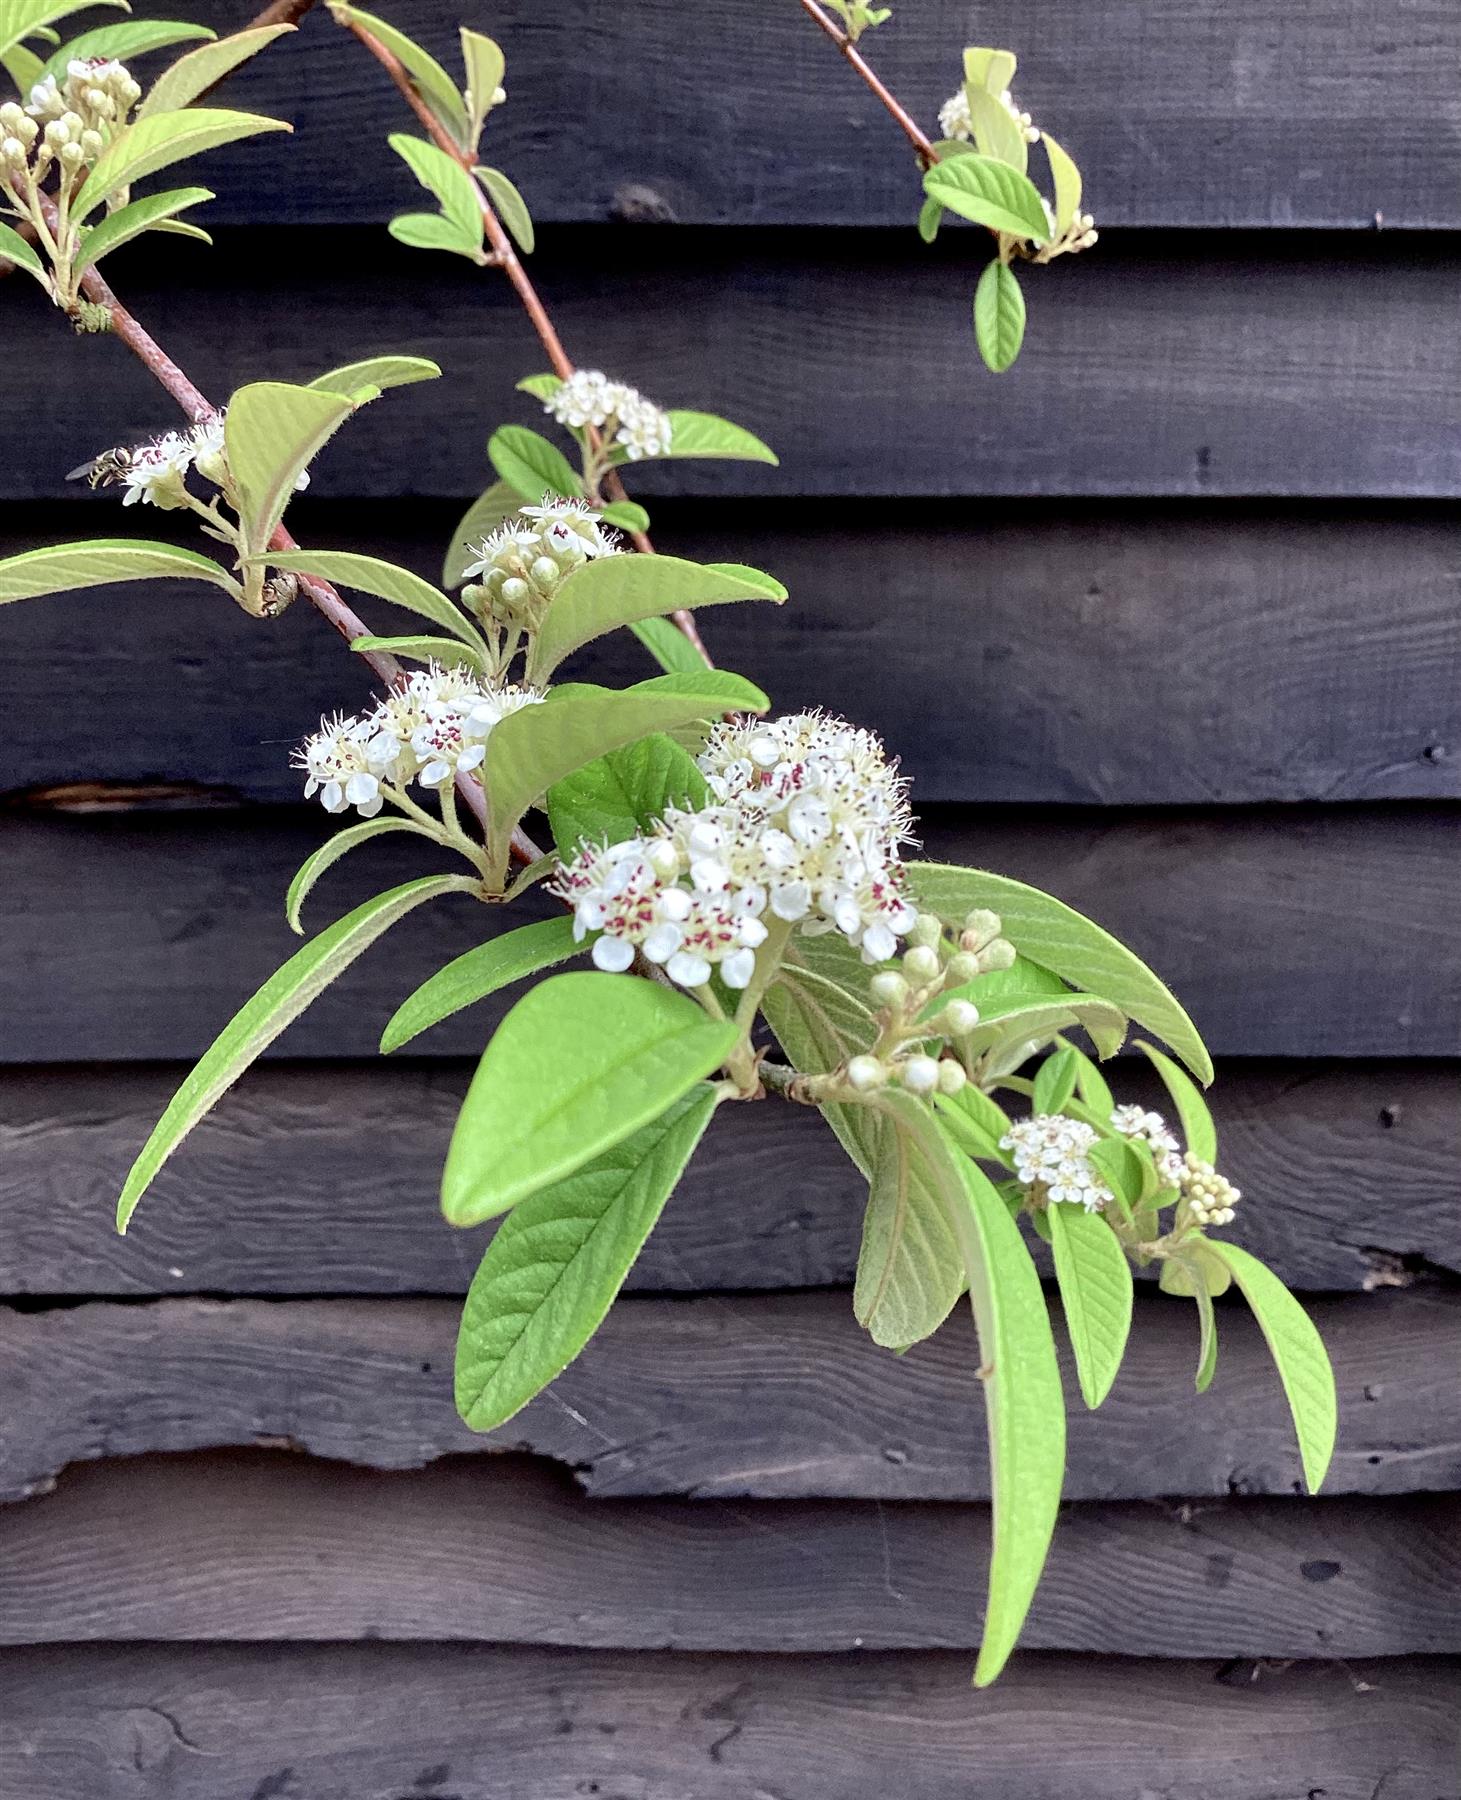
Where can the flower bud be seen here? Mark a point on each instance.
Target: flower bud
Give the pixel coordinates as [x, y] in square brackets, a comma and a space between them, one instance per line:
[919, 1074]
[72, 156]
[927, 931]
[865, 1073]
[998, 955]
[921, 964]
[545, 574]
[960, 1016]
[92, 144]
[963, 966]
[515, 592]
[57, 133]
[951, 1076]
[979, 927]
[889, 988]
[13, 152]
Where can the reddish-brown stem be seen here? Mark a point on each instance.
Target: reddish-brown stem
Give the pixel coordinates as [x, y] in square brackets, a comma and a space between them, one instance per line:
[922, 145]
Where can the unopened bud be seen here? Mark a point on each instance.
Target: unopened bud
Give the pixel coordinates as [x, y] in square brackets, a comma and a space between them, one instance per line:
[979, 927]
[963, 966]
[663, 858]
[927, 930]
[13, 151]
[57, 133]
[960, 1016]
[998, 955]
[515, 592]
[889, 988]
[545, 573]
[72, 156]
[865, 1073]
[921, 963]
[919, 1074]
[92, 144]
[951, 1076]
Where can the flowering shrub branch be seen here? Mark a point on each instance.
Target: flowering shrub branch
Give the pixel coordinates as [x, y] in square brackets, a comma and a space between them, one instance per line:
[724, 874]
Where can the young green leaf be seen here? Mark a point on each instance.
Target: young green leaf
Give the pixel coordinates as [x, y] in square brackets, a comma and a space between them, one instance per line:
[451, 653]
[669, 646]
[280, 1001]
[541, 387]
[1059, 938]
[976, 1123]
[14, 247]
[101, 562]
[21, 19]
[329, 853]
[127, 222]
[600, 596]
[1297, 1350]
[1198, 1130]
[443, 176]
[909, 1276]
[530, 465]
[150, 144]
[387, 581]
[485, 969]
[616, 796]
[1091, 1084]
[364, 380]
[992, 70]
[485, 66]
[193, 74]
[996, 133]
[1055, 1081]
[990, 193]
[432, 231]
[1067, 180]
[559, 1260]
[430, 80]
[930, 217]
[578, 1065]
[484, 515]
[999, 316]
[703, 434]
[1095, 1292]
[125, 40]
[1207, 1343]
[272, 431]
[1119, 1163]
[1034, 1019]
[512, 209]
[628, 515]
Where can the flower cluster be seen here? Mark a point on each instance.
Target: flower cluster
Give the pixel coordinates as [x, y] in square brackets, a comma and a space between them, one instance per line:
[1151, 1129]
[805, 827]
[431, 727]
[955, 120]
[156, 473]
[66, 122]
[1052, 1156]
[519, 566]
[1211, 1198]
[621, 412]
[97, 91]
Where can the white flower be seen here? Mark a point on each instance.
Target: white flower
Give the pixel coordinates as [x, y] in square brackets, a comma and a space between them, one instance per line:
[1052, 1155]
[589, 398]
[154, 473]
[336, 762]
[1152, 1129]
[953, 117]
[643, 429]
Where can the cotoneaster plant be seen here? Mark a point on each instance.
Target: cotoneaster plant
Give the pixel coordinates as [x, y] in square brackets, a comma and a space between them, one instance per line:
[727, 875]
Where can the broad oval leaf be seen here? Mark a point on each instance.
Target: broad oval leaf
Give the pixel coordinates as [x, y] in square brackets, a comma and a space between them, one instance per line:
[329, 853]
[1198, 1130]
[909, 1274]
[14, 247]
[479, 972]
[1073, 946]
[999, 316]
[991, 194]
[445, 177]
[512, 209]
[559, 1260]
[432, 231]
[992, 70]
[577, 1066]
[272, 431]
[101, 562]
[428, 77]
[1067, 181]
[628, 515]
[283, 997]
[703, 434]
[154, 143]
[128, 222]
[601, 596]
[25, 18]
[485, 64]
[386, 581]
[365, 379]
[995, 132]
[485, 514]
[1095, 1292]
[1298, 1351]
[193, 74]
[126, 39]
[616, 796]
[530, 465]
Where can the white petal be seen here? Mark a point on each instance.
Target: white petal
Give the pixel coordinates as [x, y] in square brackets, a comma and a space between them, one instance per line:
[360, 789]
[435, 773]
[613, 954]
[738, 968]
[332, 797]
[791, 900]
[878, 942]
[674, 903]
[688, 969]
[661, 943]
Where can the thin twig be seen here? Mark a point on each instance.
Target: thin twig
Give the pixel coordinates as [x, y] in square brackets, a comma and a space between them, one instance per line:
[922, 145]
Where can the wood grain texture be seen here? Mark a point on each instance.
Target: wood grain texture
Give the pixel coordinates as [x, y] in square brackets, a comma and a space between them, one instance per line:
[1111, 655]
[453, 1722]
[1187, 365]
[261, 1547]
[1327, 115]
[778, 1397]
[133, 937]
[302, 1182]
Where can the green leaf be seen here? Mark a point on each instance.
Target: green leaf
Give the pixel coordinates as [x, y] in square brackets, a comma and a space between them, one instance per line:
[909, 1276]
[101, 562]
[272, 431]
[449, 652]
[430, 80]
[578, 1065]
[430, 231]
[24, 18]
[1198, 1129]
[128, 39]
[669, 646]
[541, 387]
[484, 515]
[532, 749]
[1193, 1268]
[23, 67]
[1207, 1343]
[181, 228]
[1092, 1085]
[930, 217]
[600, 596]
[992, 70]
[626, 514]
[329, 853]
[443, 176]
[485, 66]
[703, 434]
[820, 1025]
[483, 970]
[1298, 1351]
[387, 581]
[990, 193]
[1055, 1081]
[995, 132]
[530, 465]
[19, 251]
[999, 316]
[512, 209]
[559, 1259]
[364, 380]
[283, 997]
[150, 144]
[1119, 1163]
[1096, 1293]
[976, 1123]
[192, 75]
[618, 795]
[1067, 179]
[1061, 939]
[1033, 1019]
[130, 221]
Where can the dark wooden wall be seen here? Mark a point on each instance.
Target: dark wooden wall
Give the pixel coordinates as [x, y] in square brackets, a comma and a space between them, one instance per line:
[1166, 619]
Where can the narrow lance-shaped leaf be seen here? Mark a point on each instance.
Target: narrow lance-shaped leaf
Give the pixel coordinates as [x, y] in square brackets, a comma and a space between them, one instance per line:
[669, 646]
[999, 316]
[387, 581]
[1096, 1293]
[559, 1259]
[428, 77]
[23, 66]
[272, 431]
[512, 209]
[14, 247]
[128, 222]
[577, 1066]
[996, 132]
[1198, 1130]
[1067, 181]
[329, 853]
[1299, 1353]
[150, 144]
[127, 39]
[193, 74]
[1207, 1343]
[530, 465]
[102, 562]
[277, 1004]
[990, 193]
[365, 379]
[909, 1274]
[451, 653]
[1055, 1081]
[483, 970]
[24, 18]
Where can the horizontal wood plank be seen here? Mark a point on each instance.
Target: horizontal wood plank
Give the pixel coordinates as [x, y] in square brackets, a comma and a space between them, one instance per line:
[379, 1721]
[1328, 115]
[780, 1397]
[1115, 656]
[305, 1181]
[1186, 365]
[1289, 933]
[260, 1547]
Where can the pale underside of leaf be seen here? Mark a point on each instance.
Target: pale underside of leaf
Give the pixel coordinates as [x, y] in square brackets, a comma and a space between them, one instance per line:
[1096, 1293]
